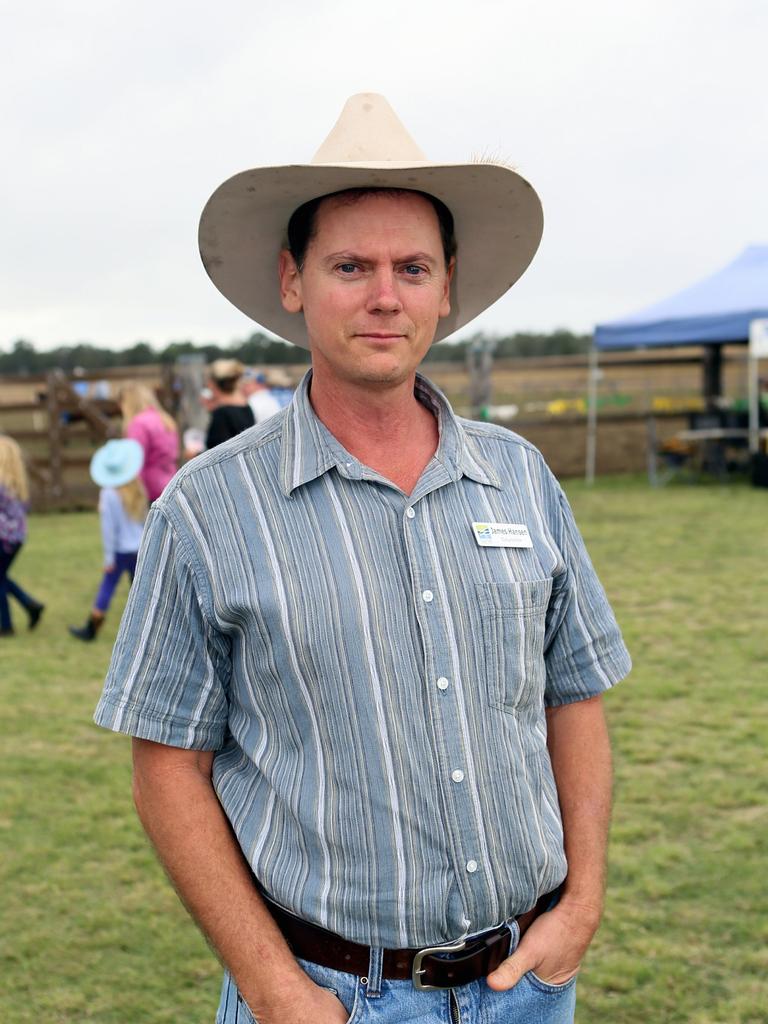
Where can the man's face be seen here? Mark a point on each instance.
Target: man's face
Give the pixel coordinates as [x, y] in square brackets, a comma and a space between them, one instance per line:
[373, 287]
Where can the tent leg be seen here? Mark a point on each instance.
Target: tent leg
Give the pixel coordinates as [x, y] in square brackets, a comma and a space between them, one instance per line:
[591, 459]
[652, 445]
[713, 376]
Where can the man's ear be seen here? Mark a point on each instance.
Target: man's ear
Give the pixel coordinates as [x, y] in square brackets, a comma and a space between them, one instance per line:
[445, 304]
[290, 283]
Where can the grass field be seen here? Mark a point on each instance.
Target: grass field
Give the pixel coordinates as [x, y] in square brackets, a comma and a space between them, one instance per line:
[92, 932]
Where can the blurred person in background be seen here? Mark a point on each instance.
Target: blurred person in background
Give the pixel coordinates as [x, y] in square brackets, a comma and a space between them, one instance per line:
[207, 400]
[193, 438]
[116, 468]
[281, 385]
[145, 421]
[231, 413]
[14, 504]
[259, 394]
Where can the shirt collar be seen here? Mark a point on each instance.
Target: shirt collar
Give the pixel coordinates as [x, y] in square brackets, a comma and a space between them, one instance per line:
[309, 449]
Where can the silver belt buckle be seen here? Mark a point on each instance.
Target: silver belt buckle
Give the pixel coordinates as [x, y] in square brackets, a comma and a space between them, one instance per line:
[418, 970]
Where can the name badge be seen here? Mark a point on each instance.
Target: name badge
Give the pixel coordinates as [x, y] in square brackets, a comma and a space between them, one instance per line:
[502, 535]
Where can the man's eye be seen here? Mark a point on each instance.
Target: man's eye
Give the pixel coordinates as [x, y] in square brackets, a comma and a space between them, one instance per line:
[412, 270]
[347, 268]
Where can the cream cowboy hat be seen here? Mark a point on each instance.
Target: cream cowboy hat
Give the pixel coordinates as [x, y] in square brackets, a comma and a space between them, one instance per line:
[497, 215]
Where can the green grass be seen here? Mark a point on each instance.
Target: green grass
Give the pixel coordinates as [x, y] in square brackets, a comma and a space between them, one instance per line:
[92, 931]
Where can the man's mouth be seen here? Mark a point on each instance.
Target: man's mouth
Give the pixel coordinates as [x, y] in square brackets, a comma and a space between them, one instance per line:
[380, 335]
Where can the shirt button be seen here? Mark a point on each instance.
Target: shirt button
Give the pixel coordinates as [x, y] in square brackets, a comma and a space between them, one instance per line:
[427, 595]
[471, 866]
[410, 512]
[442, 683]
[457, 775]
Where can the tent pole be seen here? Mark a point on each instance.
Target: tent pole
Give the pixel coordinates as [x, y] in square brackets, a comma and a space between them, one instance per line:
[713, 376]
[758, 349]
[589, 470]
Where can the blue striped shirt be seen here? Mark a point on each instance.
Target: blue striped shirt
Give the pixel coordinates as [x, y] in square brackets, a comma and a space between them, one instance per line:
[373, 681]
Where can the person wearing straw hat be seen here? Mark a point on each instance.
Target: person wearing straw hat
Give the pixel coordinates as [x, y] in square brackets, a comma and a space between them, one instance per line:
[258, 393]
[370, 747]
[116, 468]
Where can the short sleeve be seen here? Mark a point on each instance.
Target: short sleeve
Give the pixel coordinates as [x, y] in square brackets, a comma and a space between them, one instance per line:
[584, 650]
[169, 673]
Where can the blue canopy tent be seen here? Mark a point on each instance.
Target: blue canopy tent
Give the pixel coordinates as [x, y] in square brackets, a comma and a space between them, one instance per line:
[715, 311]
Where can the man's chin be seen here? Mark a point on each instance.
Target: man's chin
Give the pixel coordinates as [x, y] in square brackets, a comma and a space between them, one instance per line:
[385, 376]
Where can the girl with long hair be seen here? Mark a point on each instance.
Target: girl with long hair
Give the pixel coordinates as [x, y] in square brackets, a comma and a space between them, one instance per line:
[145, 421]
[14, 504]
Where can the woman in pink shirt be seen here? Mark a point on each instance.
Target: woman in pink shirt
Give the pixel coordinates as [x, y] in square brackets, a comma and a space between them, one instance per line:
[145, 421]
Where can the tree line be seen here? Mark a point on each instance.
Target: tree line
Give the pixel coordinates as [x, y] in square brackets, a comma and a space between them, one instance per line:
[260, 350]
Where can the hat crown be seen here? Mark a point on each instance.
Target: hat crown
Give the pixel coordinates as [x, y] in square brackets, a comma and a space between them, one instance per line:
[117, 462]
[114, 455]
[368, 131]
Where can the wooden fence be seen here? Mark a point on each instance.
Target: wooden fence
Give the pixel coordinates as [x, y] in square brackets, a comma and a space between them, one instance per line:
[644, 399]
[60, 421]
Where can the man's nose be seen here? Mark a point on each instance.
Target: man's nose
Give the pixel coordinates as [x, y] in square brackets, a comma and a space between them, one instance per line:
[384, 296]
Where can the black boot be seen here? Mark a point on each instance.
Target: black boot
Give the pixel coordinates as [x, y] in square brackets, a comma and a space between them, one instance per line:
[89, 630]
[34, 611]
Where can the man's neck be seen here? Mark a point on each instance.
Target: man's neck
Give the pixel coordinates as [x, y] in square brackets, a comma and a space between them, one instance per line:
[384, 427]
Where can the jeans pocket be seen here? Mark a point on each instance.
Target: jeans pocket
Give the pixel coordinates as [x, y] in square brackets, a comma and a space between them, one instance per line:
[547, 987]
[514, 617]
[346, 987]
[244, 1015]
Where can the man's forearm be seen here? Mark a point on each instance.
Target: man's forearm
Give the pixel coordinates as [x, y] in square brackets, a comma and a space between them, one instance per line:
[580, 752]
[556, 942]
[180, 812]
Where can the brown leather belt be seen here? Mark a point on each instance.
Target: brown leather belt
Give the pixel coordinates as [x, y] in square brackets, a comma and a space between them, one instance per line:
[433, 967]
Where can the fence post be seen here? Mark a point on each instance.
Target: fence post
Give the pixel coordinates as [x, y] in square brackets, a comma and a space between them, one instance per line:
[56, 482]
[189, 379]
[480, 366]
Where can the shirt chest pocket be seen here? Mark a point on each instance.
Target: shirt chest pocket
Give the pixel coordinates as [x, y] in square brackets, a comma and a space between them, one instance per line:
[514, 619]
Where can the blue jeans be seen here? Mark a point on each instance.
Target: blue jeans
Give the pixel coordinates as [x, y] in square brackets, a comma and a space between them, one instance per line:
[373, 1000]
[10, 589]
[125, 561]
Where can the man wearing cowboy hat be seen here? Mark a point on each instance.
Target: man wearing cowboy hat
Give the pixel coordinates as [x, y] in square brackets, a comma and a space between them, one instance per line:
[363, 657]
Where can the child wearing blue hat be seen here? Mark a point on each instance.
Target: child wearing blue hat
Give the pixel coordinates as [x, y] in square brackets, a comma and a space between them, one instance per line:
[122, 509]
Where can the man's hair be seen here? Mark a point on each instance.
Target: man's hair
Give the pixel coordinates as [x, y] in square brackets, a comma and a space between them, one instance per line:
[301, 226]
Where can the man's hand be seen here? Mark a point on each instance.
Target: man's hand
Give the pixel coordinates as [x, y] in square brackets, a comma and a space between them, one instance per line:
[305, 1004]
[553, 947]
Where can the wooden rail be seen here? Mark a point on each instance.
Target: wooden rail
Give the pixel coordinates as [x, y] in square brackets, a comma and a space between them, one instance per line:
[58, 476]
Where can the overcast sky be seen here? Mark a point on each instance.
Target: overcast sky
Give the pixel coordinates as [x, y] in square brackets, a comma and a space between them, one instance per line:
[642, 125]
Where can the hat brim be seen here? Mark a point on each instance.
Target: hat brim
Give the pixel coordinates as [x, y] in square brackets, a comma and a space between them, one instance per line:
[497, 215]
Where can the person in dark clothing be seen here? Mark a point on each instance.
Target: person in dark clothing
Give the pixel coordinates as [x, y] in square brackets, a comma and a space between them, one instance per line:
[14, 505]
[231, 412]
